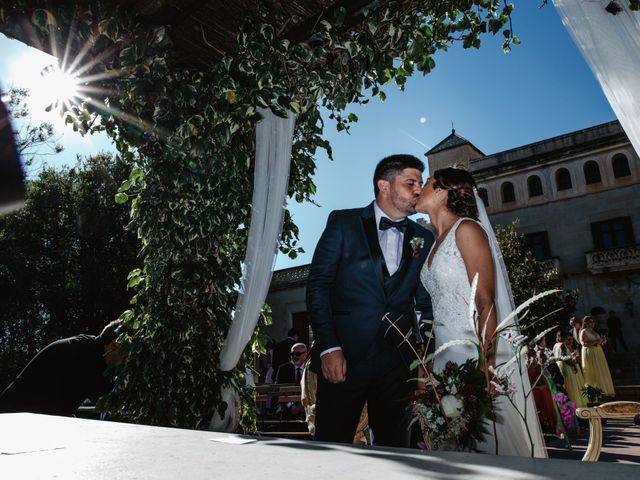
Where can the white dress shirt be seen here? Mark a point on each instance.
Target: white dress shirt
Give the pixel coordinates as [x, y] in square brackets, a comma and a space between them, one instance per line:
[390, 241]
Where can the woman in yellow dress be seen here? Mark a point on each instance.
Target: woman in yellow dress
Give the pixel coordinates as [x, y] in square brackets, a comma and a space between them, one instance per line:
[568, 362]
[594, 364]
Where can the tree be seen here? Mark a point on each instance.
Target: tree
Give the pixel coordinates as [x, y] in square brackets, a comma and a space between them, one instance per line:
[32, 140]
[64, 259]
[529, 277]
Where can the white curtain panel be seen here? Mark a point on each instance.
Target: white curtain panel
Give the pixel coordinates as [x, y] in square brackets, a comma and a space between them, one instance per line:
[274, 136]
[611, 46]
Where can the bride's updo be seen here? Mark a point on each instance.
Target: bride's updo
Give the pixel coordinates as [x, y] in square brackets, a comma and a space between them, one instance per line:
[459, 184]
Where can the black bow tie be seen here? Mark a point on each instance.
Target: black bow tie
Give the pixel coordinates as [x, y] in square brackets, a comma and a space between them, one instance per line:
[387, 223]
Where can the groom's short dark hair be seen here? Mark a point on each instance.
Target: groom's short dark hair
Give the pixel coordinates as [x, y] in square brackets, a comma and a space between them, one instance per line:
[390, 167]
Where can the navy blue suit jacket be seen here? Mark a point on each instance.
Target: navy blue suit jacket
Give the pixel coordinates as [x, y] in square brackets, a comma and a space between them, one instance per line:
[349, 290]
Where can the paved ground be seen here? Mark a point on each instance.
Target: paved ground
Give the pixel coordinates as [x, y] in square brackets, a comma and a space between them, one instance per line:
[621, 444]
[40, 447]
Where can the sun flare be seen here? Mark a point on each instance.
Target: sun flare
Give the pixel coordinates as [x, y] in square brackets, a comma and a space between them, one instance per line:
[49, 86]
[62, 86]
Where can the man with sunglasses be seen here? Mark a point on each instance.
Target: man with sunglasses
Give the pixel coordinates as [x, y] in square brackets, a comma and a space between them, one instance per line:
[291, 372]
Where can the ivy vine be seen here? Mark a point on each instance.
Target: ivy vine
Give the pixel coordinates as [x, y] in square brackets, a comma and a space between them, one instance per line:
[189, 138]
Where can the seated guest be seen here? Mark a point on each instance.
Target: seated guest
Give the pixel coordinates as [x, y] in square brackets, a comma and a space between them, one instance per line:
[291, 372]
[65, 373]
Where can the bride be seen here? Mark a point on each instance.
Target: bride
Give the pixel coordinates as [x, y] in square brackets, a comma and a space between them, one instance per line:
[466, 246]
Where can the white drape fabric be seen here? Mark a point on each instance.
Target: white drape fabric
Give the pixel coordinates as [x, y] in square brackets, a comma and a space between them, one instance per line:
[274, 136]
[611, 46]
[513, 437]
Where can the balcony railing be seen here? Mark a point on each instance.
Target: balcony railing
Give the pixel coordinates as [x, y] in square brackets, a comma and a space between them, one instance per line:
[614, 259]
[290, 277]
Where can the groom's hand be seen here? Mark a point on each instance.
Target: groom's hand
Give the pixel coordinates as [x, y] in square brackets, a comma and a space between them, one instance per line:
[334, 366]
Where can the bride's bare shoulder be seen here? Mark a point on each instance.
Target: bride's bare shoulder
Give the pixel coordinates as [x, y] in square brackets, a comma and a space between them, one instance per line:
[471, 235]
[469, 227]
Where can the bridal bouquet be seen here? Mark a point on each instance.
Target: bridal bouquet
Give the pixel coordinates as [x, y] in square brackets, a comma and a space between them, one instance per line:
[452, 413]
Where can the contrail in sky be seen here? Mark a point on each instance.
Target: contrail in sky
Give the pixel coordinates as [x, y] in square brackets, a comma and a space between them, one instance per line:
[415, 139]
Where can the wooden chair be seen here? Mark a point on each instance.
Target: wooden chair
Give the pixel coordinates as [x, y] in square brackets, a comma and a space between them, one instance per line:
[270, 422]
[595, 415]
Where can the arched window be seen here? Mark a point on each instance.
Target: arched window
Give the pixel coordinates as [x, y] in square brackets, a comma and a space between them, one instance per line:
[535, 186]
[592, 173]
[508, 193]
[620, 166]
[482, 193]
[563, 179]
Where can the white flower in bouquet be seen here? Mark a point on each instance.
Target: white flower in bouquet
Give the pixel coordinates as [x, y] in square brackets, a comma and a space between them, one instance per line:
[451, 405]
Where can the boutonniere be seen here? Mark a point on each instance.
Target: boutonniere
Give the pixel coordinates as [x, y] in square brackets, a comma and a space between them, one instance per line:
[416, 245]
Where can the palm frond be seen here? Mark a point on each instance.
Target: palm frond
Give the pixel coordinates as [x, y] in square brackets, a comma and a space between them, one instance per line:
[524, 305]
[452, 343]
[542, 334]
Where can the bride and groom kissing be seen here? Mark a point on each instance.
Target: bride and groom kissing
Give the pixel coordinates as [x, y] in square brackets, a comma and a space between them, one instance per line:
[373, 264]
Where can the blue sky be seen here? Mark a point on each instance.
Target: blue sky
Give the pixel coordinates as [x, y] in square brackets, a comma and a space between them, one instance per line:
[543, 88]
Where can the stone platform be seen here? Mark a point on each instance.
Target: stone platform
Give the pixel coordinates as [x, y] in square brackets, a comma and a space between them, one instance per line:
[47, 447]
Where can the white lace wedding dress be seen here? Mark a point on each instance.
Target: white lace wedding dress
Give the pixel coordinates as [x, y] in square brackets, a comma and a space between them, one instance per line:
[447, 282]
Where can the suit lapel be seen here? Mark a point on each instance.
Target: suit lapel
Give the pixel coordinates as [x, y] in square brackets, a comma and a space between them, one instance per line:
[370, 231]
[406, 247]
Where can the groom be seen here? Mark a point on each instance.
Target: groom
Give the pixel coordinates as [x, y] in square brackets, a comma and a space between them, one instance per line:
[367, 264]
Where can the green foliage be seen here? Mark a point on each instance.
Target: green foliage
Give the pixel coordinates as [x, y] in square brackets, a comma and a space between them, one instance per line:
[190, 135]
[529, 277]
[64, 259]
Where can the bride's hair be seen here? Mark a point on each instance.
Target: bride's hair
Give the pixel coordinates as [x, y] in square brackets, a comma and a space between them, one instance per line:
[459, 184]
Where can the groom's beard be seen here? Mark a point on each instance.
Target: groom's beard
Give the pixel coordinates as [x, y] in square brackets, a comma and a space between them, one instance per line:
[411, 208]
[408, 207]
